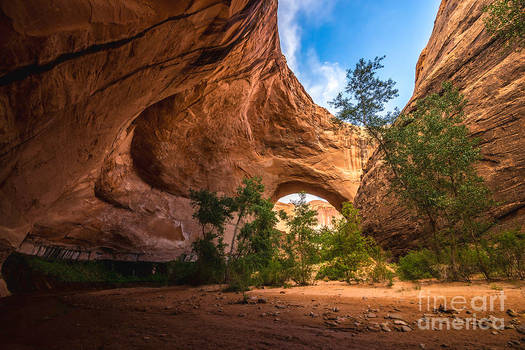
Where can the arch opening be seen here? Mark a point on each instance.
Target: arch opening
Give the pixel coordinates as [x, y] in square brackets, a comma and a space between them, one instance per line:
[327, 214]
[323, 192]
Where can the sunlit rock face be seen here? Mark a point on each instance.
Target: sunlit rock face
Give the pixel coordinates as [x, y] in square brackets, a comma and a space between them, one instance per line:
[111, 111]
[493, 80]
[327, 214]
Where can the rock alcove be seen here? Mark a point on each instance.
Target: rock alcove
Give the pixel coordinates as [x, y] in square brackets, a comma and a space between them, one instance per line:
[111, 111]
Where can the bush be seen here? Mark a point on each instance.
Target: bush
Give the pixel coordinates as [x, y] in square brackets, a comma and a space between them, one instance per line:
[501, 255]
[210, 266]
[301, 246]
[348, 255]
[381, 271]
[418, 265]
[26, 273]
[471, 261]
[506, 19]
[273, 274]
[240, 274]
[506, 252]
[181, 272]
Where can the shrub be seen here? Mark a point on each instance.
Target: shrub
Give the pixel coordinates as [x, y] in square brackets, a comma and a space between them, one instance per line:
[416, 265]
[210, 266]
[506, 252]
[350, 256]
[240, 274]
[273, 274]
[301, 246]
[506, 19]
[181, 272]
[469, 262]
[380, 271]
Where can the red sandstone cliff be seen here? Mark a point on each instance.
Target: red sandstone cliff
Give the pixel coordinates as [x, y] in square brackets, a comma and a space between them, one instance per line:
[493, 80]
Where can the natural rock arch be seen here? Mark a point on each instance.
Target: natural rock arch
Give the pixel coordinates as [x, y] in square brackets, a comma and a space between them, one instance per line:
[329, 194]
[132, 104]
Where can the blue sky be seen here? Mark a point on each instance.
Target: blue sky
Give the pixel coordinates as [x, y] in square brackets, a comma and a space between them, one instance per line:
[321, 39]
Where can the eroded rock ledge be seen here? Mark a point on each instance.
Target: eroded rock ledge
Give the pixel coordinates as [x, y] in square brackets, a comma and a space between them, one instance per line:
[111, 111]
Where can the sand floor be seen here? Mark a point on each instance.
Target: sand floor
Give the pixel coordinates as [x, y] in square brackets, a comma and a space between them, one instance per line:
[329, 315]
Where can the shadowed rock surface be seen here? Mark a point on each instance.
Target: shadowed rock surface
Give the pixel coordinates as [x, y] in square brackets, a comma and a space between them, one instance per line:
[492, 77]
[111, 111]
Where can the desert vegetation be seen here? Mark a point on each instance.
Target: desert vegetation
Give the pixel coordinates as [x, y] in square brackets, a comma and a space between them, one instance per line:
[506, 19]
[431, 158]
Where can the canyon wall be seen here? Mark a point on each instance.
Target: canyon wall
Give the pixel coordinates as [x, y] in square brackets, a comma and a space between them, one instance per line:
[326, 213]
[111, 111]
[492, 77]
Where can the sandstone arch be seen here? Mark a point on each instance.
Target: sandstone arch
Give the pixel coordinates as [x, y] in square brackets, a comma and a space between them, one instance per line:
[93, 132]
[330, 195]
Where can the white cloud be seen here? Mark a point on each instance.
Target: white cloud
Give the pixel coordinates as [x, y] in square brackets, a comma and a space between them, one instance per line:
[322, 80]
[289, 31]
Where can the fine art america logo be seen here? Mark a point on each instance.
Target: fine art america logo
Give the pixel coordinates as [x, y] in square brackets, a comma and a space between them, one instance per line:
[442, 312]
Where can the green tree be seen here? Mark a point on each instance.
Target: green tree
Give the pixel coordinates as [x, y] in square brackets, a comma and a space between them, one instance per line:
[257, 249]
[433, 158]
[247, 199]
[254, 233]
[506, 19]
[429, 153]
[363, 101]
[301, 245]
[344, 249]
[212, 212]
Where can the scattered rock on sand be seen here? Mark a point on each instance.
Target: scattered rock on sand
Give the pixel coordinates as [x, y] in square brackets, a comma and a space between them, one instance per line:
[512, 313]
[514, 343]
[385, 328]
[394, 317]
[373, 328]
[404, 329]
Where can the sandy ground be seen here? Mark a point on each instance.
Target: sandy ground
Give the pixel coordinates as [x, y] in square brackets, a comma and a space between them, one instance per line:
[329, 315]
